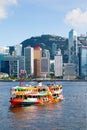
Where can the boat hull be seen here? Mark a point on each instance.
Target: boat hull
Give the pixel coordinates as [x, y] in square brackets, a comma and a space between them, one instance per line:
[15, 102]
[22, 102]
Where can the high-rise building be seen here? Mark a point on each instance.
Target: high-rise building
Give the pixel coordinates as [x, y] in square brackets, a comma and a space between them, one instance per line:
[69, 71]
[74, 50]
[29, 60]
[58, 64]
[12, 65]
[45, 66]
[37, 61]
[18, 50]
[73, 46]
[83, 61]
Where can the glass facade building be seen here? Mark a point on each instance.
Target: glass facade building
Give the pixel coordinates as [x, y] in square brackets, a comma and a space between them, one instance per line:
[73, 47]
[29, 60]
[37, 61]
[73, 50]
[83, 63]
[12, 65]
[45, 65]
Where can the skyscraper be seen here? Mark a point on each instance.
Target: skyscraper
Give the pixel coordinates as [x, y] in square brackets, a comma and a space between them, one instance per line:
[73, 47]
[37, 61]
[69, 71]
[83, 62]
[45, 66]
[58, 63]
[29, 60]
[12, 65]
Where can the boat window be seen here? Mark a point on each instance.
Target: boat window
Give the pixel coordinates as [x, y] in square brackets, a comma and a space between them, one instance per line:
[25, 97]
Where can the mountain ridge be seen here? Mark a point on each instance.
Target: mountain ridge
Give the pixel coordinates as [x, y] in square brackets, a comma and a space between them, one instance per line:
[46, 41]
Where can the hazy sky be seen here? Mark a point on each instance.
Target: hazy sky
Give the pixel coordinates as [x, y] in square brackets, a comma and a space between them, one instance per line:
[21, 19]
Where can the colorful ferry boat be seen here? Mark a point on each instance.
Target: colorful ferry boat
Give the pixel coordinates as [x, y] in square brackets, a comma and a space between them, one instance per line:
[37, 95]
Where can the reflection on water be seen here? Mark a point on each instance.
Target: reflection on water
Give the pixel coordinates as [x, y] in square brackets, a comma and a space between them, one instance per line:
[32, 112]
[37, 116]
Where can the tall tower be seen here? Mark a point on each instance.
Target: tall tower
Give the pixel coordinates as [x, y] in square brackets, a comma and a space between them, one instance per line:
[58, 63]
[29, 60]
[83, 63]
[73, 48]
[37, 61]
[83, 60]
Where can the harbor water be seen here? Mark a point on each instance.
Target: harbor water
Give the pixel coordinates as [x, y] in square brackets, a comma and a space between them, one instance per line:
[69, 114]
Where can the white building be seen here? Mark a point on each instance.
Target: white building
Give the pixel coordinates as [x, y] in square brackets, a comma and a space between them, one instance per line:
[4, 50]
[58, 64]
[29, 60]
[18, 50]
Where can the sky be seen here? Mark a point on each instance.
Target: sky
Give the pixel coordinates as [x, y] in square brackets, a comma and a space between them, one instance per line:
[22, 19]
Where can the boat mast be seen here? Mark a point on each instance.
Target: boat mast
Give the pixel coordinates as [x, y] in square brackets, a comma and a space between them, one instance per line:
[20, 79]
[21, 72]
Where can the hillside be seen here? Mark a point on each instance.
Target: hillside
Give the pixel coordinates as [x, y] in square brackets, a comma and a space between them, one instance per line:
[46, 41]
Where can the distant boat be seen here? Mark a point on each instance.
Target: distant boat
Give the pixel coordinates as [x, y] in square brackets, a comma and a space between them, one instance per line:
[35, 95]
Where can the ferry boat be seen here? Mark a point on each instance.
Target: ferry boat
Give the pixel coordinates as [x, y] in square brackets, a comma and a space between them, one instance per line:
[35, 95]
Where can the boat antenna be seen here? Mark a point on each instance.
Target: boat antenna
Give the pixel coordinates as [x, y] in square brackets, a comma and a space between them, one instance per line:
[20, 79]
[21, 72]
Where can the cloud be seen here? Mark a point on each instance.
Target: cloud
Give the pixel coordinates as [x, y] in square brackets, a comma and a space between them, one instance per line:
[3, 13]
[3, 7]
[76, 18]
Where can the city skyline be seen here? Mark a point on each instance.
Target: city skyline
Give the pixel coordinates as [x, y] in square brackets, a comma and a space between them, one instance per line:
[20, 20]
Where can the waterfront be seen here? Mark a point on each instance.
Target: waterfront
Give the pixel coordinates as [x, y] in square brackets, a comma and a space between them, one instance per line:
[70, 114]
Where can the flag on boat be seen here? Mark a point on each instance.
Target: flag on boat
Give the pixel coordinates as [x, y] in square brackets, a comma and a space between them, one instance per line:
[22, 71]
